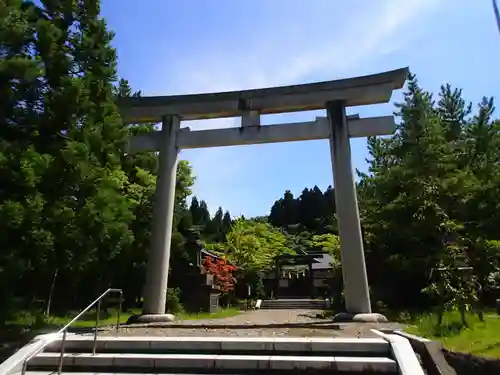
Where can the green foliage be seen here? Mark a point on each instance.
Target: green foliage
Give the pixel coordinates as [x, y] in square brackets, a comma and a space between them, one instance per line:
[258, 289]
[451, 325]
[312, 211]
[422, 201]
[174, 305]
[329, 243]
[71, 201]
[253, 245]
[62, 201]
[480, 338]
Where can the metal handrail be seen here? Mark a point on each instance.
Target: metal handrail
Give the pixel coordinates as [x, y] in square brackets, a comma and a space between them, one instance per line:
[64, 330]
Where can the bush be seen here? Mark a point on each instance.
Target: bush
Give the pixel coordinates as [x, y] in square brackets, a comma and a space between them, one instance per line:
[338, 302]
[174, 305]
[259, 290]
[40, 320]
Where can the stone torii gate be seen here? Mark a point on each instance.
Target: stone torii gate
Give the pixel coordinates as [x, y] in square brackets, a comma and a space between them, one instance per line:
[334, 96]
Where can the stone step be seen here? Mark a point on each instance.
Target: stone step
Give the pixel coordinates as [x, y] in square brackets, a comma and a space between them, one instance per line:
[320, 303]
[296, 299]
[227, 345]
[291, 307]
[268, 305]
[294, 302]
[153, 363]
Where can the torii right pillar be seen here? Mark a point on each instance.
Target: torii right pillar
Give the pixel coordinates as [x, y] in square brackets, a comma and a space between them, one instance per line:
[356, 291]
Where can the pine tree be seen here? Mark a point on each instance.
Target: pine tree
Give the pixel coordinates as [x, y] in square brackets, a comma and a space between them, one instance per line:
[204, 214]
[285, 211]
[226, 222]
[407, 215]
[216, 226]
[71, 135]
[25, 242]
[194, 208]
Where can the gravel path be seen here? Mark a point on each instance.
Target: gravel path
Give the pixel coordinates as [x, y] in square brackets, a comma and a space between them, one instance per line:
[259, 323]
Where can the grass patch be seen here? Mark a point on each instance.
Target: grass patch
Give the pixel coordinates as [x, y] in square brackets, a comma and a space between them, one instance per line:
[222, 313]
[88, 320]
[479, 338]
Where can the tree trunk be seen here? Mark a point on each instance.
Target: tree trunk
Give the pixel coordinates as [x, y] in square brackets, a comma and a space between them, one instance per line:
[49, 302]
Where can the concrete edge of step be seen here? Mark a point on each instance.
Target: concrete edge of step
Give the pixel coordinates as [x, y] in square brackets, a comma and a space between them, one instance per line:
[15, 362]
[229, 339]
[322, 324]
[430, 352]
[247, 345]
[214, 361]
[403, 353]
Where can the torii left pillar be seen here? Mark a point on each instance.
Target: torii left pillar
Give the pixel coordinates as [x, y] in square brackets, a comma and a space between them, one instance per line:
[155, 291]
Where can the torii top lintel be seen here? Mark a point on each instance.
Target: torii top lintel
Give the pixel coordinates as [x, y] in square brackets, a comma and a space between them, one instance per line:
[365, 90]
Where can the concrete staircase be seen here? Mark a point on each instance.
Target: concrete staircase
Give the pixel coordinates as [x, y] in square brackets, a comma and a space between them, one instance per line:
[228, 355]
[293, 304]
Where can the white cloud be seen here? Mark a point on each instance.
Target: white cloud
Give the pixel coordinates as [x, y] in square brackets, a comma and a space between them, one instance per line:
[292, 55]
[380, 28]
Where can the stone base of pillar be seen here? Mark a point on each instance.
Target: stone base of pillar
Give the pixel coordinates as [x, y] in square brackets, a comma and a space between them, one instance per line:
[360, 318]
[151, 318]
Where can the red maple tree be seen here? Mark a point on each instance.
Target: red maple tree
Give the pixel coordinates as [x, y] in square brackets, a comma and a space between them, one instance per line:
[222, 271]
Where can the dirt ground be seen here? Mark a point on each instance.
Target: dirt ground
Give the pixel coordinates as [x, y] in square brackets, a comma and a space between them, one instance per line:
[258, 323]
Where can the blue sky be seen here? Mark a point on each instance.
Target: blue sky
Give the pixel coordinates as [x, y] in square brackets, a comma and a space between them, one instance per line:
[193, 46]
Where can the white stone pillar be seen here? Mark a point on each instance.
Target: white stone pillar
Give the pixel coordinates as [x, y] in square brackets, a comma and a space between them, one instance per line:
[155, 293]
[356, 291]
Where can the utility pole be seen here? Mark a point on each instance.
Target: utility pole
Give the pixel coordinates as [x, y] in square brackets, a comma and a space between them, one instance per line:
[497, 13]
